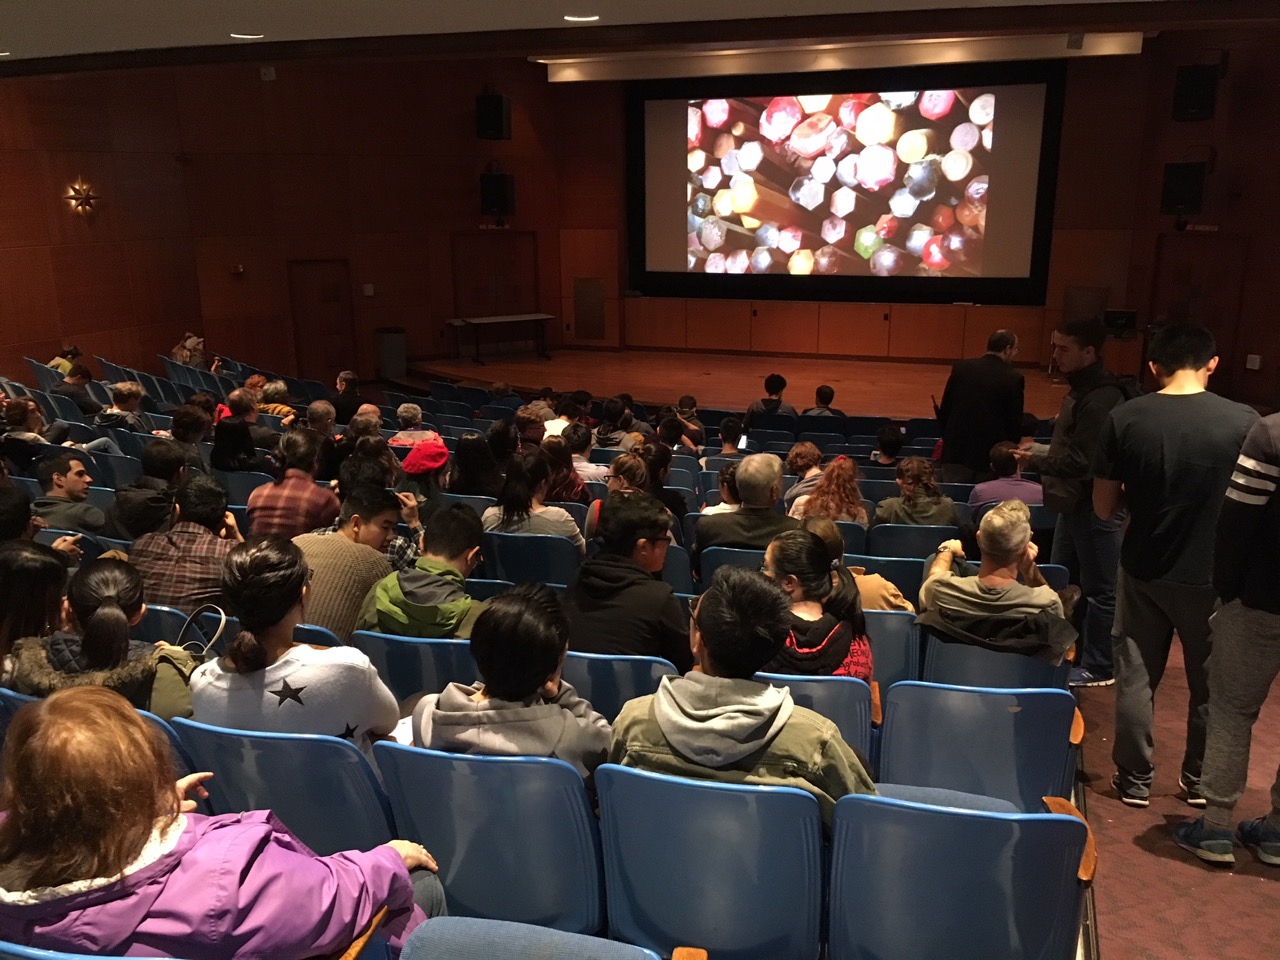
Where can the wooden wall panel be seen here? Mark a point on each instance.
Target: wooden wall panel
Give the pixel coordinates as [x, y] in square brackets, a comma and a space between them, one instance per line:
[28, 306]
[220, 109]
[144, 113]
[926, 331]
[162, 275]
[310, 194]
[781, 327]
[228, 194]
[854, 329]
[93, 289]
[23, 214]
[301, 108]
[259, 290]
[95, 170]
[15, 122]
[589, 253]
[655, 322]
[1026, 323]
[69, 113]
[718, 324]
[387, 195]
[151, 198]
[567, 325]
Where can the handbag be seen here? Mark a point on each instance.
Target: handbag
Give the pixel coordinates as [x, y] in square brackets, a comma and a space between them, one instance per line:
[176, 662]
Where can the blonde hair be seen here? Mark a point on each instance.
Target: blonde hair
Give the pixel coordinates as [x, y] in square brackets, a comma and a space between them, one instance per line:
[1005, 531]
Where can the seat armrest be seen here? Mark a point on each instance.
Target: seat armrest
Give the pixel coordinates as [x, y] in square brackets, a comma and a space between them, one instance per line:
[1088, 858]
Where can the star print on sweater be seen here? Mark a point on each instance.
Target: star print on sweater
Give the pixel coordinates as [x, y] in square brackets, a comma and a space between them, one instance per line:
[349, 732]
[287, 692]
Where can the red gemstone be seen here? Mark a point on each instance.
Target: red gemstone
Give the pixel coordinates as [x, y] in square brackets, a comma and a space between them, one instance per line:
[934, 258]
[809, 139]
[887, 226]
[943, 217]
[852, 106]
[780, 117]
[935, 104]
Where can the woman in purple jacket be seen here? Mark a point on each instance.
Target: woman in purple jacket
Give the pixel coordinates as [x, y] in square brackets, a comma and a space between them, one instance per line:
[99, 854]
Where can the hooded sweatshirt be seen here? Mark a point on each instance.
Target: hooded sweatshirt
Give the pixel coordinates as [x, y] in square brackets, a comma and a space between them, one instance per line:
[827, 647]
[144, 506]
[427, 600]
[564, 727]
[737, 731]
[615, 607]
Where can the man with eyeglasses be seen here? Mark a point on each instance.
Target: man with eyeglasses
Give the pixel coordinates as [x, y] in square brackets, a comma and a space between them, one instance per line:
[719, 723]
[981, 405]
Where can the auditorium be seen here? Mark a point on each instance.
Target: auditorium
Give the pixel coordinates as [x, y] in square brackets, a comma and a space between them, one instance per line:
[863, 583]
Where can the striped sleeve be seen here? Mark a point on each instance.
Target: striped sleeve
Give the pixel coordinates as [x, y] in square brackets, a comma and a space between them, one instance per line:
[1254, 481]
[1249, 493]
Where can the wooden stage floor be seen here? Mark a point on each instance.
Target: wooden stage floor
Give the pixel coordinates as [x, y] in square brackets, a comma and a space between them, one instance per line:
[863, 387]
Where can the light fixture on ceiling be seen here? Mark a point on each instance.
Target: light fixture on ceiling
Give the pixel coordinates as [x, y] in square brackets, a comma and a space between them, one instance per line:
[4, 53]
[577, 19]
[247, 36]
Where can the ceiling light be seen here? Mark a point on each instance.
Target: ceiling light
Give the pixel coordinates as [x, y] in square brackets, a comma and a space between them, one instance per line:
[4, 53]
[572, 19]
[247, 36]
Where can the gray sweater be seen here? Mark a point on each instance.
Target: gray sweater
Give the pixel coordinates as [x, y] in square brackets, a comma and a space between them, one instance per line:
[62, 514]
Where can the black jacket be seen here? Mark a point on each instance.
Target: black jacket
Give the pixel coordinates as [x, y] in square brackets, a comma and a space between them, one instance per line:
[144, 506]
[615, 607]
[1045, 636]
[1066, 471]
[79, 395]
[981, 405]
[345, 405]
[750, 528]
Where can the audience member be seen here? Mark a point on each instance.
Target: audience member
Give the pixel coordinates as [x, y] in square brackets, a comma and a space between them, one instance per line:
[361, 472]
[206, 401]
[530, 427]
[804, 461]
[113, 812]
[687, 412]
[615, 426]
[125, 412]
[730, 436]
[65, 360]
[657, 465]
[921, 501]
[182, 566]
[874, 591]
[17, 523]
[671, 433]
[718, 723]
[189, 429]
[521, 508]
[633, 423]
[578, 437]
[189, 351]
[822, 398]
[771, 402]
[544, 404]
[32, 578]
[75, 387]
[1086, 544]
[727, 483]
[615, 605]
[627, 474]
[346, 400]
[65, 483]
[835, 496]
[146, 505]
[293, 503]
[274, 400]
[1008, 484]
[236, 438]
[754, 524]
[346, 565]
[411, 428]
[565, 485]
[473, 471]
[1168, 457]
[320, 420]
[26, 434]
[521, 706]
[503, 438]
[269, 682]
[429, 599]
[1246, 653]
[981, 405]
[889, 441]
[423, 471]
[567, 412]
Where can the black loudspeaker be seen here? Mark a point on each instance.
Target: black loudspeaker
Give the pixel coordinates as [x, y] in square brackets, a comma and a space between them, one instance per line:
[497, 194]
[1195, 92]
[493, 117]
[1183, 189]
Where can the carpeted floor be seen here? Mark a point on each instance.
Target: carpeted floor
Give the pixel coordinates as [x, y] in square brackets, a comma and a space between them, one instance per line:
[1154, 901]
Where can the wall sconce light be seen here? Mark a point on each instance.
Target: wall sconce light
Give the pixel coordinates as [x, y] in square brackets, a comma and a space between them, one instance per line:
[81, 198]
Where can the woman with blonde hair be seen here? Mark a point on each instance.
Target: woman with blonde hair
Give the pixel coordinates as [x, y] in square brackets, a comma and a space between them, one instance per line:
[627, 474]
[835, 495]
[101, 852]
[921, 501]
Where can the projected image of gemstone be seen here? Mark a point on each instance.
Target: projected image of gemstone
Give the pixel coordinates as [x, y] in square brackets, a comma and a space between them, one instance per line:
[886, 183]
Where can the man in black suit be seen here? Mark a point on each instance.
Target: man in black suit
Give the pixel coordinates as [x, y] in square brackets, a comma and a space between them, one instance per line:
[981, 405]
[754, 525]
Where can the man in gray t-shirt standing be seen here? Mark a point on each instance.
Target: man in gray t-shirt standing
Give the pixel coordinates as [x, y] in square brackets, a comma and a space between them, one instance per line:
[1168, 457]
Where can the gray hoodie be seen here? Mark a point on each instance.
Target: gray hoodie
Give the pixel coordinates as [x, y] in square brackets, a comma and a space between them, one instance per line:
[716, 721]
[565, 727]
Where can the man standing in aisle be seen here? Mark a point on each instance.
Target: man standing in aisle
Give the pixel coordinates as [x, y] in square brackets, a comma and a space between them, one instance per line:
[1168, 456]
[1082, 541]
[981, 405]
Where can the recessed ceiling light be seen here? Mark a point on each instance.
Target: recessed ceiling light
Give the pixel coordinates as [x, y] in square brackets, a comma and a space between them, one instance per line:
[573, 19]
[247, 36]
[4, 53]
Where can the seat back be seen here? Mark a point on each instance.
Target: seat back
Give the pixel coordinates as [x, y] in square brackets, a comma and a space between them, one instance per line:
[895, 645]
[409, 665]
[950, 882]
[316, 636]
[713, 558]
[241, 484]
[1010, 743]
[480, 589]
[322, 788]
[10, 703]
[514, 836]
[531, 558]
[878, 490]
[159, 623]
[686, 861]
[963, 664]
[908, 539]
[576, 510]
[845, 701]
[855, 536]
[90, 548]
[905, 573]
[478, 504]
[609, 681]
[677, 570]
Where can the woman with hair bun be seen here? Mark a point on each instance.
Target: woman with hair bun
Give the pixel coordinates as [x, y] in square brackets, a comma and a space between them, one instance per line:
[267, 681]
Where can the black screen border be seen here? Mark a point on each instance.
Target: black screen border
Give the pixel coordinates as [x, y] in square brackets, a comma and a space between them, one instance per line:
[1010, 291]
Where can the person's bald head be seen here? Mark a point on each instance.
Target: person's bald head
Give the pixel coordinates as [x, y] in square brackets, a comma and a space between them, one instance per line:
[759, 480]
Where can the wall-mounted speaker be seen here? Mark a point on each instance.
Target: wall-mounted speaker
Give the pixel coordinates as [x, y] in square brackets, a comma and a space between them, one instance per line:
[1182, 191]
[497, 194]
[493, 117]
[1195, 92]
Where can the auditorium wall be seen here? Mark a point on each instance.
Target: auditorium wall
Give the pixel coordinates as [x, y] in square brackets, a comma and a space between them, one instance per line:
[213, 178]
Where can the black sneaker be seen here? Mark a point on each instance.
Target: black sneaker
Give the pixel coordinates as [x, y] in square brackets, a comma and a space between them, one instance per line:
[1263, 841]
[1210, 844]
[1084, 677]
[1128, 799]
[1191, 795]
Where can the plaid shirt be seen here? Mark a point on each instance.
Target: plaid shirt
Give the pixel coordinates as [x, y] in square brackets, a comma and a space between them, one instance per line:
[181, 567]
[403, 552]
[294, 506]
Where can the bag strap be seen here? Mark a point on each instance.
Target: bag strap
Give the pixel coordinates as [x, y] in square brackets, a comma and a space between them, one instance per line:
[193, 624]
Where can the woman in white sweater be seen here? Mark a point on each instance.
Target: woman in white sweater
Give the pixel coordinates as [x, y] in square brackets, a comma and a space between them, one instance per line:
[267, 681]
[520, 508]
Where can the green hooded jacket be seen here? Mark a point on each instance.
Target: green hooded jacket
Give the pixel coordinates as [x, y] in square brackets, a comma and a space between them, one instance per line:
[428, 600]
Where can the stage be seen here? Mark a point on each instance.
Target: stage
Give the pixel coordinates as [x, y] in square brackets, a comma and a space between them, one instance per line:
[863, 387]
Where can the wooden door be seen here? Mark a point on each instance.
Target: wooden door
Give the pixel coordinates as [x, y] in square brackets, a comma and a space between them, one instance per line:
[323, 324]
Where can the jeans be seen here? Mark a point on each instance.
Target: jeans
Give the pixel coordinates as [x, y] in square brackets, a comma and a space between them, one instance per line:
[1147, 614]
[1089, 547]
[428, 893]
[103, 445]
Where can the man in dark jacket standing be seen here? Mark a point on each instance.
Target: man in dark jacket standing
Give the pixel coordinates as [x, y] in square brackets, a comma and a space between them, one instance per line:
[1086, 544]
[615, 605]
[981, 405]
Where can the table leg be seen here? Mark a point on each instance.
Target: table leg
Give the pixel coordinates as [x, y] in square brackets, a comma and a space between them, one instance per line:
[475, 338]
[542, 339]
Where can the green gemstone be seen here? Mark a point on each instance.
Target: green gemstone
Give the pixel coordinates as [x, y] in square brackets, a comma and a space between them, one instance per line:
[866, 241]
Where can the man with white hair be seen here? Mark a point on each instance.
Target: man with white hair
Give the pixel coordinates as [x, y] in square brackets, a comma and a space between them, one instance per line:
[754, 525]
